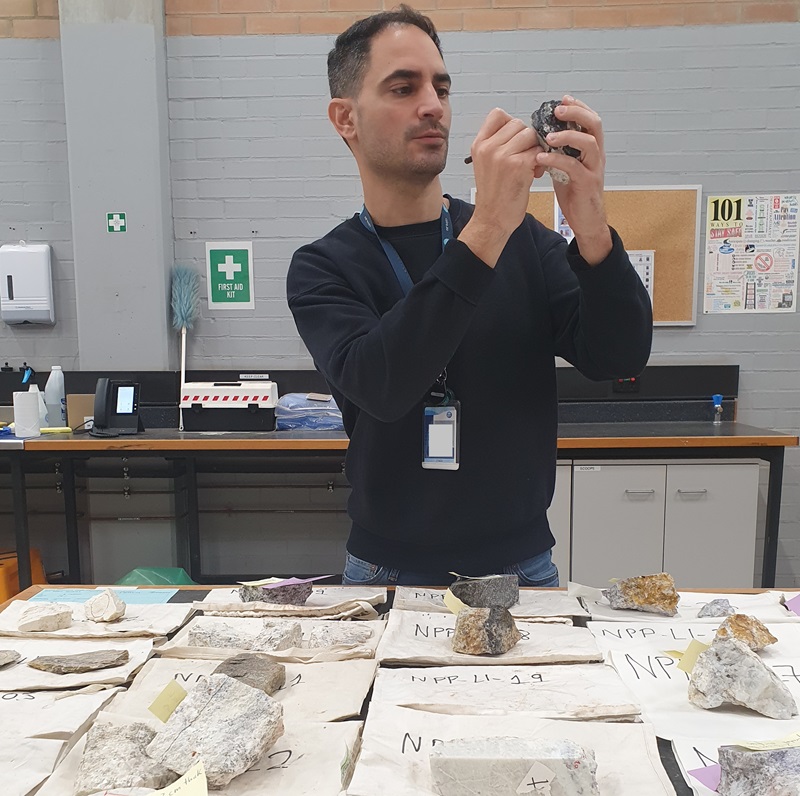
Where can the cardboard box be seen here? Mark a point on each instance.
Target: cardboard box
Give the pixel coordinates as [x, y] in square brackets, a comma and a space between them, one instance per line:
[80, 408]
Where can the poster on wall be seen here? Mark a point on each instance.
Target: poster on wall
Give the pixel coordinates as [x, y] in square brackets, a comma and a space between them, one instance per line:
[229, 275]
[751, 253]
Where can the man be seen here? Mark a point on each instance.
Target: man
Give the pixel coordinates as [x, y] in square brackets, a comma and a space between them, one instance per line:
[423, 309]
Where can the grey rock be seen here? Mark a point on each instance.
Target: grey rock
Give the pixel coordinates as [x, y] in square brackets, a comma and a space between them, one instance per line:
[114, 757]
[278, 635]
[105, 607]
[227, 724]
[332, 633]
[8, 656]
[220, 634]
[486, 592]
[500, 766]
[653, 594]
[729, 672]
[720, 607]
[545, 121]
[256, 670]
[84, 662]
[762, 773]
[295, 594]
[485, 631]
[44, 618]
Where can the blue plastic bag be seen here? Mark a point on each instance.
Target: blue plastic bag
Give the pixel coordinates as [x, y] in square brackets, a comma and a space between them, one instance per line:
[296, 411]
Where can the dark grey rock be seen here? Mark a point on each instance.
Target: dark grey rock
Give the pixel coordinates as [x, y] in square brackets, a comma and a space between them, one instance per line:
[295, 594]
[8, 656]
[545, 121]
[485, 631]
[485, 592]
[85, 662]
[255, 670]
[720, 607]
[746, 773]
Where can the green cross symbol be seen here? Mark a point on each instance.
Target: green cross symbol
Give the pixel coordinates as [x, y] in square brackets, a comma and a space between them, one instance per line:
[116, 222]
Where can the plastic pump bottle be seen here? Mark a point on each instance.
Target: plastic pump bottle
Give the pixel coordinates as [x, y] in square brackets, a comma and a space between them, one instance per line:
[42, 407]
[55, 398]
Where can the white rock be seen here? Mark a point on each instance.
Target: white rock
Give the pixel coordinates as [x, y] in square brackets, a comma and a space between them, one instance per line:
[278, 636]
[511, 766]
[745, 772]
[730, 672]
[227, 724]
[114, 757]
[331, 633]
[105, 607]
[220, 634]
[45, 617]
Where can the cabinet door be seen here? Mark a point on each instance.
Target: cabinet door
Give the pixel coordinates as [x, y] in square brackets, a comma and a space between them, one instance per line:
[617, 521]
[710, 528]
[559, 517]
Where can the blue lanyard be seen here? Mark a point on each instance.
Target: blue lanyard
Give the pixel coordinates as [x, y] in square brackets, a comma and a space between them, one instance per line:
[391, 253]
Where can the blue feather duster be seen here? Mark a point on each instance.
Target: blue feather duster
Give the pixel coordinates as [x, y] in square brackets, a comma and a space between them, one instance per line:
[185, 307]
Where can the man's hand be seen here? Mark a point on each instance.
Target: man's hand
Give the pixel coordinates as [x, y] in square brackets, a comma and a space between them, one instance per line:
[504, 156]
[581, 199]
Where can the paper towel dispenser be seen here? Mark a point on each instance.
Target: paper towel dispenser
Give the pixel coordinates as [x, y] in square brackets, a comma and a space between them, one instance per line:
[26, 284]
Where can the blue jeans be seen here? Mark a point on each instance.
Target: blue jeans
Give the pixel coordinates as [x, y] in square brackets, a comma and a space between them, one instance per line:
[539, 571]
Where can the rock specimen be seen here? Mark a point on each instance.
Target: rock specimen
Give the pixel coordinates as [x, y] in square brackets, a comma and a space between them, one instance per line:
[105, 607]
[745, 772]
[730, 672]
[653, 594]
[485, 631]
[721, 607]
[44, 618]
[220, 634]
[331, 633]
[255, 670]
[747, 629]
[545, 121]
[8, 656]
[84, 662]
[222, 721]
[291, 594]
[114, 757]
[278, 636]
[485, 592]
[491, 766]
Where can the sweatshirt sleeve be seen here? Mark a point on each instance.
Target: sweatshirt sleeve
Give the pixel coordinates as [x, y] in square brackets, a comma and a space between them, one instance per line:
[384, 363]
[601, 315]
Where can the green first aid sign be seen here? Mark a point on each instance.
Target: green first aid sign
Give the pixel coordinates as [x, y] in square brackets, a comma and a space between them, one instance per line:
[229, 268]
[116, 222]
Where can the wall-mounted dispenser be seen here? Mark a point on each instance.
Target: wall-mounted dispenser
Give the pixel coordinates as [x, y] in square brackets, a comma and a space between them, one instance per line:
[26, 284]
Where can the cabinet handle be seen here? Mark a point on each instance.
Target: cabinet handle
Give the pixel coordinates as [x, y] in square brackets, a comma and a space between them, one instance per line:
[640, 491]
[692, 491]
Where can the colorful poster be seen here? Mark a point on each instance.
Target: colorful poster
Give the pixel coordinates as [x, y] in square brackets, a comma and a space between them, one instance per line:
[751, 253]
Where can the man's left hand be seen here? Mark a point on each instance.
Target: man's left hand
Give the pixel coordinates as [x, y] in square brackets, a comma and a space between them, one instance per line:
[581, 199]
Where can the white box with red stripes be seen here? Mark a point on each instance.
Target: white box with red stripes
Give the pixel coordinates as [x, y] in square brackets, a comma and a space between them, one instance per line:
[229, 405]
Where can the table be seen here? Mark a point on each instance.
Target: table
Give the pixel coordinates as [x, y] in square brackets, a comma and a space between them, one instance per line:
[324, 451]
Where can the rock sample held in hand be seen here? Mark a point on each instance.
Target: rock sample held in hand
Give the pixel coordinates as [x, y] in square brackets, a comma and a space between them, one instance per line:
[729, 672]
[654, 594]
[83, 662]
[256, 670]
[485, 631]
[488, 591]
[105, 607]
[747, 629]
[8, 656]
[331, 634]
[291, 594]
[114, 757]
[720, 607]
[227, 724]
[746, 773]
[45, 618]
[499, 766]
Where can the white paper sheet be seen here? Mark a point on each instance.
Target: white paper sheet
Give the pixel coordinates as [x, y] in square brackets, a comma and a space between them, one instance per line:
[587, 691]
[421, 638]
[321, 596]
[397, 742]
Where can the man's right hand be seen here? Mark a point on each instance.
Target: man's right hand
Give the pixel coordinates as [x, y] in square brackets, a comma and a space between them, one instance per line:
[504, 159]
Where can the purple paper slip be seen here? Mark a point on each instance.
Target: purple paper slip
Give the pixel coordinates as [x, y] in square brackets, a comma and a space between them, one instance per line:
[294, 582]
[708, 776]
[794, 605]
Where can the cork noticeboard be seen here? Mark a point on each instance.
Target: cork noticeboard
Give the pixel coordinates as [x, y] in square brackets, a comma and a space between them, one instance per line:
[663, 219]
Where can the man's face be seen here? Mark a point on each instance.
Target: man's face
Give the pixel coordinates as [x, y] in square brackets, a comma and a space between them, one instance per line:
[401, 116]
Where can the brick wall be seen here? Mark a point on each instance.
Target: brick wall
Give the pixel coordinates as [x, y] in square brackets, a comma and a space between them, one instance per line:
[39, 18]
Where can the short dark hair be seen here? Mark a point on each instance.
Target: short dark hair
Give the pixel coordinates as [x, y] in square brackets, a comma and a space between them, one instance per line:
[349, 58]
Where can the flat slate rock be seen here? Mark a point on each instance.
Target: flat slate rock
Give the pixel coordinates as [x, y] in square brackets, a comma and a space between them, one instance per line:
[293, 594]
[485, 592]
[8, 656]
[84, 662]
[255, 670]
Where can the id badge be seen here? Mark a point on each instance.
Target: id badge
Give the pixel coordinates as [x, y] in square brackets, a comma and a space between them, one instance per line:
[440, 436]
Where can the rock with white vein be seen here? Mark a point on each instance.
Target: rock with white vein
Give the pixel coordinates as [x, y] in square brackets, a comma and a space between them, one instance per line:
[510, 766]
[729, 672]
[44, 618]
[105, 607]
[223, 722]
[746, 773]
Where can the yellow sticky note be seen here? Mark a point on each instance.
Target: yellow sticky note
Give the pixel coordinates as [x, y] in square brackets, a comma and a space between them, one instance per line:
[166, 702]
[674, 654]
[689, 657]
[453, 603]
[782, 743]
